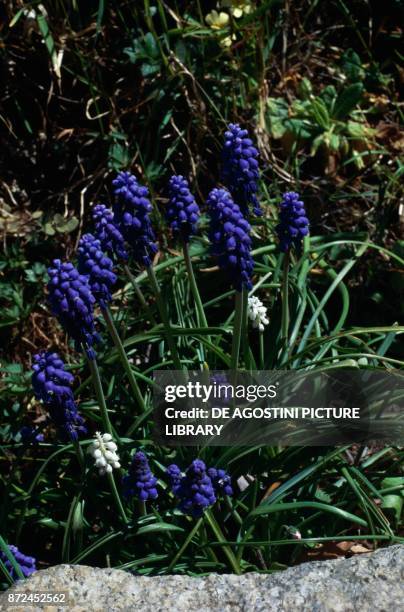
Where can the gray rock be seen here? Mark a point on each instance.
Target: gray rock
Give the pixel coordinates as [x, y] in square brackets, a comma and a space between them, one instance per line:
[368, 582]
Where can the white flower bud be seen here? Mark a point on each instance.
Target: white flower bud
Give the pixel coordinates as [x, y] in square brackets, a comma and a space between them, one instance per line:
[103, 450]
[257, 313]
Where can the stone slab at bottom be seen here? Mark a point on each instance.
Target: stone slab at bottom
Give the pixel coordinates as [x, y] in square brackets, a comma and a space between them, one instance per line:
[367, 583]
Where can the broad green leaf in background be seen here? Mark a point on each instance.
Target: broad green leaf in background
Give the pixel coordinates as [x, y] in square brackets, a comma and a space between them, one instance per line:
[352, 65]
[320, 113]
[347, 100]
[393, 502]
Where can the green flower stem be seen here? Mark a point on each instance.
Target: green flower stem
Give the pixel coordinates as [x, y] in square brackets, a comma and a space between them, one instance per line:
[165, 318]
[233, 511]
[117, 498]
[5, 549]
[237, 328]
[206, 544]
[6, 573]
[202, 321]
[244, 330]
[139, 294]
[285, 304]
[200, 312]
[95, 374]
[240, 550]
[182, 548]
[142, 508]
[262, 358]
[219, 534]
[124, 358]
[80, 456]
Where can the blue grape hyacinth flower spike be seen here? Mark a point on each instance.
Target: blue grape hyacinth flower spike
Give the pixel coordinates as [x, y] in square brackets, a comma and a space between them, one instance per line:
[230, 238]
[97, 267]
[140, 482]
[132, 215]
[52, 385]
[182, 210]
[195, 490]
[107, 232]
[175, 476]
[72, 302]
[240, 169]
[27, 564]
[293, 223]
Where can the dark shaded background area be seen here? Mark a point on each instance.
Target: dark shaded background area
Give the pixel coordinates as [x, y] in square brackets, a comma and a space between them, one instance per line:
[91, 87]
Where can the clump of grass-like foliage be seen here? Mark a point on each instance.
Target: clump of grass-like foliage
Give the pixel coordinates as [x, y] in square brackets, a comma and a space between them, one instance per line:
[184, 305]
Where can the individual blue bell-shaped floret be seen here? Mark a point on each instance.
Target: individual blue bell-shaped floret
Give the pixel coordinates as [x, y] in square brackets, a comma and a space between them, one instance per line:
[230, 238]
[97, 267]
[182, 211]
[140, 482]
[112, 241]
[31, 435]
[293, 223]
[240, 169]
[52, 385]
[27, 564]
[195, 490]
[72, 302]
[132, 216]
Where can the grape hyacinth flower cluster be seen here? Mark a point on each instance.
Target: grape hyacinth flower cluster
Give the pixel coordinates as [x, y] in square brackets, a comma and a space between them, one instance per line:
[174, 475]
[52, 385]
[27, 564]
[294, 224]
[140, 482]
[199, 487]
[112, 241]
[240, 169]
[230, 238]
[72, 301]
[97, 267]
[257, 313]
[221, 481]
[182, 210]
[132, 215]
[103, 450]
[195, 490]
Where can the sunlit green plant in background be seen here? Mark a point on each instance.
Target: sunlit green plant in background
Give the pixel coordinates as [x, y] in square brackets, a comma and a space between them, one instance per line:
[329, 124]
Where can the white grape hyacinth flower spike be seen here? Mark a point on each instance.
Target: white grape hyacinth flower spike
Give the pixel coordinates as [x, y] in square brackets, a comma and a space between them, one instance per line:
[103, 450]
[257, 313]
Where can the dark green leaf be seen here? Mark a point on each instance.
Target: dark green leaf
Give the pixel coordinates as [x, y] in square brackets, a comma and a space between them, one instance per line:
[347, 100]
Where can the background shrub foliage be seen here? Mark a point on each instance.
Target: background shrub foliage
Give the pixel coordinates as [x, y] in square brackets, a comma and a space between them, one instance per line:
[92, 88]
